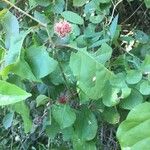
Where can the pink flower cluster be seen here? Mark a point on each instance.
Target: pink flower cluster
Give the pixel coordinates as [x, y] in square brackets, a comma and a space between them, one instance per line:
[62, 28]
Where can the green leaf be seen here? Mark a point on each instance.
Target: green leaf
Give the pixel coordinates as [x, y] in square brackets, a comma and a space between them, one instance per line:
[82, 96]
[99, 42]
[115, 90]
[72, 17]
[78, 144]
[41, 17]
[15, 48]
[111, 115]
[41, 100]
[43, 3]
[58, 6]
[105, 1]
[141, 37]
[113, 93]
[91, 80]
[3, 13]
[56, 76]
[145, 87]
[14, 62]
[67, 133]
[10, 93]
[145, 67]
[113, 27]
[86, 125]
[40, 62]
[79, 3]
[22, 109]
[11, 26]
[1, 54]
[134, 133]
[96, 19]
[104, 53]
[133, 76]
[53, 129]
[134, 99]
[20, 68]
[7, 120]
[118, 81]
[63, 115]
[147, 3]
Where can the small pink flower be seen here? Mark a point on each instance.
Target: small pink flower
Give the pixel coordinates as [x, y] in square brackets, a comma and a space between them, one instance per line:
[62, 28]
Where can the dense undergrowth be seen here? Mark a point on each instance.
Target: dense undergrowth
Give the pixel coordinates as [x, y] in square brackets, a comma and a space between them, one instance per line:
[74, 74]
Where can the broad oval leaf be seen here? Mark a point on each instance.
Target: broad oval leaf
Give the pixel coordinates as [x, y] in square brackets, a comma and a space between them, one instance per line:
[63, 115]
[133, 76]
[10, 93]
[134, 133]
[41, 100]
[86, 125]
[72, 17]
[91, 75]
[145, 87]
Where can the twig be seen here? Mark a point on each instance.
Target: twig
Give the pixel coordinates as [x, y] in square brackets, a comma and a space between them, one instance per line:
[112, 15]
[25, 13]
[132, 14]
[66, 5]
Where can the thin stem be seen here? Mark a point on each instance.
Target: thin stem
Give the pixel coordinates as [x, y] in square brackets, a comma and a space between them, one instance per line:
[59, 64]
[112, 15]
[50, 39]
[132, 14]
[66, 5]
[63, 75]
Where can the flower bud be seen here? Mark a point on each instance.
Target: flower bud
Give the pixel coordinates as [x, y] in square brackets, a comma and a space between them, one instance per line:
[62, 28]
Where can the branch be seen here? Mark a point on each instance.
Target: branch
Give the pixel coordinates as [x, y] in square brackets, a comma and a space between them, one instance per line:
[112, 15]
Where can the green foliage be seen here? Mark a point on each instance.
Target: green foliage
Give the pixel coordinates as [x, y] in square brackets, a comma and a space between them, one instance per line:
[89, 78]
[63, 115]
[133, 133]
[22, 109]
[78, 3]
[72, 17]
[70, 73]
[37, 57]
[86, 125]
[10, 93]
